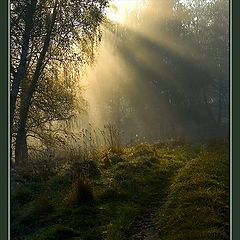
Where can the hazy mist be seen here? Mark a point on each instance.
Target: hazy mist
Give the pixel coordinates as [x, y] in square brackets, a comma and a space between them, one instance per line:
[163, 72]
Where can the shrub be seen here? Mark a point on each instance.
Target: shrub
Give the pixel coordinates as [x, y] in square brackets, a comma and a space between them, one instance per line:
[81, 192]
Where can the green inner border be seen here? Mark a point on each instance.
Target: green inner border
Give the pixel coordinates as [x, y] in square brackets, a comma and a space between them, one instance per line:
[235, 120]
[4, 120]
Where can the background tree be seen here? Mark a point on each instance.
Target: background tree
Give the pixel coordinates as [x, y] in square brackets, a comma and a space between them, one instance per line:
[171, 71]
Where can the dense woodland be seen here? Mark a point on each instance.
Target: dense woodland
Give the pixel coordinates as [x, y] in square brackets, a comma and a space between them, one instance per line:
[119, 123]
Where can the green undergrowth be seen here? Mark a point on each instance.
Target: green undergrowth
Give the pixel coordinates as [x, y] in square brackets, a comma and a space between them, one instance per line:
[125, 187]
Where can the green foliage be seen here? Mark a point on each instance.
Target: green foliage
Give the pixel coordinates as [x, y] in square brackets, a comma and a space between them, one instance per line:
[49, 48]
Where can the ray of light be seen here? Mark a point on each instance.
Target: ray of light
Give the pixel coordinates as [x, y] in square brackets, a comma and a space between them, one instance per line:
[119, 10]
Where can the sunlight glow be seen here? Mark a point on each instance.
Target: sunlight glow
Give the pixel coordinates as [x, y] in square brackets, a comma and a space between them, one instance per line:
[119, 10]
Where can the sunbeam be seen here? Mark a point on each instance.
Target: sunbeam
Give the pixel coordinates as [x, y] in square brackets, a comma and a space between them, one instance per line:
[148, 73]
[120, 10]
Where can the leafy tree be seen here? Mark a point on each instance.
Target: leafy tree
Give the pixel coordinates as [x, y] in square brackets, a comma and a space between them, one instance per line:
[44, 32]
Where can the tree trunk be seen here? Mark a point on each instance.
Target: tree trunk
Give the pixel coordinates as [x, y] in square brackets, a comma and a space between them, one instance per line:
[27, 97]
[21, 151]
[21, 71]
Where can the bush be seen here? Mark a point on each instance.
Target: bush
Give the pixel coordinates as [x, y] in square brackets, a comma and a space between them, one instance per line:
[81, 192]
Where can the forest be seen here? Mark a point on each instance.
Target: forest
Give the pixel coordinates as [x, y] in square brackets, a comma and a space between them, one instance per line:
[119, 119]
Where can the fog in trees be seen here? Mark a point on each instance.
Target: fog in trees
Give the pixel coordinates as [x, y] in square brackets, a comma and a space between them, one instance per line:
[150, 69]
[163, 72]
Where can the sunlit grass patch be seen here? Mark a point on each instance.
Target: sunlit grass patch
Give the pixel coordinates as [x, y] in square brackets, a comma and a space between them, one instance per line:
[198, 201]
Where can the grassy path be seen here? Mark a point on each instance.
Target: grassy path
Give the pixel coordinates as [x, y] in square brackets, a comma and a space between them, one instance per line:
[197, 207]
[152, 228]
[162, 191]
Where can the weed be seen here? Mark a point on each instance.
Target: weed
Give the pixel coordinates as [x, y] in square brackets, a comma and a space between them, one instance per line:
[81, 192]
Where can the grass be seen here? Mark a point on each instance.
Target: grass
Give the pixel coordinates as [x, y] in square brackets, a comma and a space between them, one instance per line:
[198, 203]
[187, 183]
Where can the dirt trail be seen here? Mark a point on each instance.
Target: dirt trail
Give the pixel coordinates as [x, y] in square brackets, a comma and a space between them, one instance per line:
[151, 228]
[148, 227]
